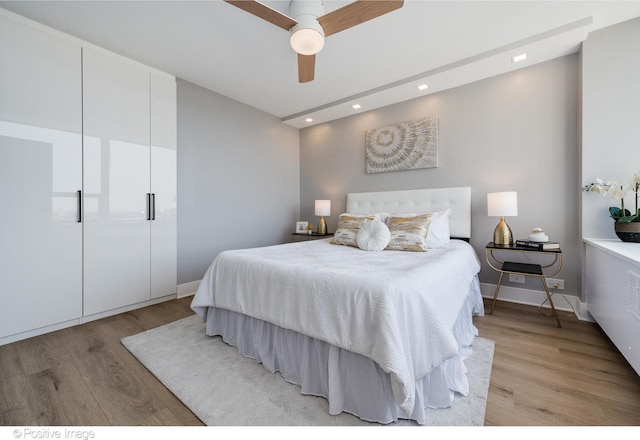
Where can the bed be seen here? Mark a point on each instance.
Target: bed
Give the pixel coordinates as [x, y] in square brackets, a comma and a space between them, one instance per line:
[380, 334]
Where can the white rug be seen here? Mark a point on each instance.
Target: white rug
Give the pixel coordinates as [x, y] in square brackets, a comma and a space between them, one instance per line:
[223, 388]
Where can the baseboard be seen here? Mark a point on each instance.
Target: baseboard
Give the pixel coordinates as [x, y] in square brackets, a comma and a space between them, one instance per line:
[81, 320]
[38, 331]
[184, 290]
[128, 308]
[188, 289]
[567, 303]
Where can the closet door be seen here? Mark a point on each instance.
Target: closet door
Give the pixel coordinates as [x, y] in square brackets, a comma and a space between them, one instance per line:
[116, 182]
[40, 176]
[163, 186]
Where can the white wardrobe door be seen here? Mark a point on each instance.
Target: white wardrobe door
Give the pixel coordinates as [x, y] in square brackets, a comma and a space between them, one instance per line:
[163, 186]
[40, 175]
[116, 182]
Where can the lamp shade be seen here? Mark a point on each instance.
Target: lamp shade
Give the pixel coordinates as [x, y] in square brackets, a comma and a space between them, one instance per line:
[502, 204]
[323, 207]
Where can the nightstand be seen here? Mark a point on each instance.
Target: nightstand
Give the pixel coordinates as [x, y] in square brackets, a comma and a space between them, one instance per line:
[552, 259]
[302, 236]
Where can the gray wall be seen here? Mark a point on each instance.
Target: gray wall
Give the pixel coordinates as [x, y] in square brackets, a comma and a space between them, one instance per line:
[611, 115]
[238, 178]
[517, 131]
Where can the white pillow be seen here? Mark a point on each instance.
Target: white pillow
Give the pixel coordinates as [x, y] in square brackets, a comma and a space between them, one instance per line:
[439, 234]
[373, 235]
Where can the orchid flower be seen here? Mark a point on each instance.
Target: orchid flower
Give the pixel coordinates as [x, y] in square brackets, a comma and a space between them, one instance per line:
[617, 191]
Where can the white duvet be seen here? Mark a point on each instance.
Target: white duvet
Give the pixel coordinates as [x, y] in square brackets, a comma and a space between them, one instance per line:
[397, 308]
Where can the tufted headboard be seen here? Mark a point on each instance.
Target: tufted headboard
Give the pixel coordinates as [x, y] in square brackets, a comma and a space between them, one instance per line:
[419, 201]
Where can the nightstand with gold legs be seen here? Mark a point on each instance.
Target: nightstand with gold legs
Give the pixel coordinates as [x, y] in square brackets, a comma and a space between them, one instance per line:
[527, 269]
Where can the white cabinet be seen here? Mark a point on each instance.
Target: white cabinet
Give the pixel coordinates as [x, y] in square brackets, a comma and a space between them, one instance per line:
[163, 186]
[87, 181]
[116, 182]
[613, 293]
[40, 176]
[130, 183]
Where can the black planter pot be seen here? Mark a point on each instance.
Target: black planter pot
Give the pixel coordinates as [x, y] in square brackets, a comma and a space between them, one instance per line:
[628, 232]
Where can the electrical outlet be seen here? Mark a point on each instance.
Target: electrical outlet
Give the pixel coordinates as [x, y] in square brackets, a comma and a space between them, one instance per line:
[515, 278]
[553, 283]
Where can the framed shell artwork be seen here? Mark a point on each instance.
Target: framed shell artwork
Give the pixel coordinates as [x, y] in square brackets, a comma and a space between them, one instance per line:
[403, 146]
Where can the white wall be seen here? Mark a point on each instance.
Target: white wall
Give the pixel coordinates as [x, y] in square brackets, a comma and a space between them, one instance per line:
[517, 131]
[611, 117]
[238, 178]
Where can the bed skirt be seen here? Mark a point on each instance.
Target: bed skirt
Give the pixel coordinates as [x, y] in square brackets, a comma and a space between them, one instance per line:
[350, 382]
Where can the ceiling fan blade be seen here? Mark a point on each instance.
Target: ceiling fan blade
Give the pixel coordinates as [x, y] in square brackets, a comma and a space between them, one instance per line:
[356, 13]
[306, 67]
[264, 12]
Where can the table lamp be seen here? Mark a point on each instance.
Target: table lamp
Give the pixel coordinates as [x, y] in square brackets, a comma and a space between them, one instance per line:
[323, 207]
[502, 204]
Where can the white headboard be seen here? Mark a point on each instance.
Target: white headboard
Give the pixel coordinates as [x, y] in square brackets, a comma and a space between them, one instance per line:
[418, 201]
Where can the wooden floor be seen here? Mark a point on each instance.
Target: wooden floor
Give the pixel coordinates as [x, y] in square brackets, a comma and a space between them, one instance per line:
[541, 375]
[84, 376]
[550, 376]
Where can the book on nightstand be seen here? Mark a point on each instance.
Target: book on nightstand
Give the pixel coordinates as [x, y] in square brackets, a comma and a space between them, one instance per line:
[540, 245]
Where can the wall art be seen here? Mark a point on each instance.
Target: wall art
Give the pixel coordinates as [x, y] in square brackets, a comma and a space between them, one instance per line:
[403, 146]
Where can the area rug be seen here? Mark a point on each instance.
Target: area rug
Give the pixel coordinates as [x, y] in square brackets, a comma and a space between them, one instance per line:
[223, 388]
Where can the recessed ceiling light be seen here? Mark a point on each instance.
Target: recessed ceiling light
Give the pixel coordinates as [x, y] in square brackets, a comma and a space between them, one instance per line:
[355, 106]
[308, 120]
[520, 57]
[423, 87]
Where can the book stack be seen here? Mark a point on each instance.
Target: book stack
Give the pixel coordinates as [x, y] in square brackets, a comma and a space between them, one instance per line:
[540, 245]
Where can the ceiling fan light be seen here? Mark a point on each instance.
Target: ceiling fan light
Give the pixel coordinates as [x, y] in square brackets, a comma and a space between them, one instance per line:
[307, 37]
[307, 41]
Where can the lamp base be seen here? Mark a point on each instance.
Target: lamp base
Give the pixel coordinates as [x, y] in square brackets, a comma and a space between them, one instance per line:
[322, 227]
[502, 235]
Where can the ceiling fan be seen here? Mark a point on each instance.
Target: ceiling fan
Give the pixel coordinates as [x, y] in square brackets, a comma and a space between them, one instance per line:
[308, 25]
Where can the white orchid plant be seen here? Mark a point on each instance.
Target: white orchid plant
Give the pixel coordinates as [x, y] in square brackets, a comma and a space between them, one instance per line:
[618, 191]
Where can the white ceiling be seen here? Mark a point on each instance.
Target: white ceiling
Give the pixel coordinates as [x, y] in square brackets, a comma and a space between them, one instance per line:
[222, 48]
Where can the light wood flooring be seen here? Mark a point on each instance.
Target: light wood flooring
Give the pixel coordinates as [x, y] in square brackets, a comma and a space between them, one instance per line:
[545, 375]
[541, 375]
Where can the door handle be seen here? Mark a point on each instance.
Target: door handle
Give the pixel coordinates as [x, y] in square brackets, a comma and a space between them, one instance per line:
[153, 206]
[79, 206]
[148, 206]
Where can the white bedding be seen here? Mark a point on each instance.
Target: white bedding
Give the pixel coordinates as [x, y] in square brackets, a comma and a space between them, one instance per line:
[396, 308]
